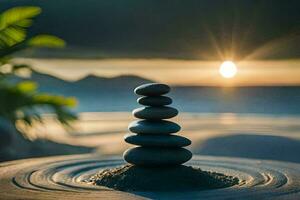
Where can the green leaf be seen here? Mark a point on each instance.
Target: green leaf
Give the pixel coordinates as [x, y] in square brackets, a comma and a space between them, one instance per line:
[26, 86]
[13, 24]
[46, 41]
[18, 16]
[55, 100]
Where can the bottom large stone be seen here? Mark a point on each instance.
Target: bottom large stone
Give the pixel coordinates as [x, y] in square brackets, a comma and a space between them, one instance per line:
[147, 156]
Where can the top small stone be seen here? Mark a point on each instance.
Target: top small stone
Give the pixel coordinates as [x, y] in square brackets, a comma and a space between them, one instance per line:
[152, 89]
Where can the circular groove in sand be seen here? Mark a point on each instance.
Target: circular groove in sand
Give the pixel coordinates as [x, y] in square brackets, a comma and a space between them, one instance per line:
[50, 177]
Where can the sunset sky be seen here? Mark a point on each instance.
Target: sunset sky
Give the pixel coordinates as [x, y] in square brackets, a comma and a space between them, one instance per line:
[173, 41]
[176, 72]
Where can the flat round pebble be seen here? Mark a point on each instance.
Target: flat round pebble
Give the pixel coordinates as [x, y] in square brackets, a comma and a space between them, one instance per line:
[152, 89]
[157, 156]
[157, 140]
[155, 101]
[154, 113]
[153, 127]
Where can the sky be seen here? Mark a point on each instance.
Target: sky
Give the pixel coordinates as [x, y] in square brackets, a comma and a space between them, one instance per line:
[185, 29]
[161, 39]
[175, 72]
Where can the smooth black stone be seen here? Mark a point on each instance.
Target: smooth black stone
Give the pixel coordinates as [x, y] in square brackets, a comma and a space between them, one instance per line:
[157, 140]
[149, 156]
[152, 89]
[153, 127]
[155, 101]
[154, 113]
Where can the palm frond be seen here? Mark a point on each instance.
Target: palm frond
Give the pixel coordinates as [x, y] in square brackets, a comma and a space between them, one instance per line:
[21, 102]
[13, 24]
[26, 87]
[49, 41]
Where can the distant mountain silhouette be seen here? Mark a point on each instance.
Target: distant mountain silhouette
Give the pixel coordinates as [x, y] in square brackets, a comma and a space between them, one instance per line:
[118, 81]
[47, 79]
[94, 93]
[116, 94]
[49, 83]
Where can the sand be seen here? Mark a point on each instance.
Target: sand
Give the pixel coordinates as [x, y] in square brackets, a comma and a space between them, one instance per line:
[233, 135]
[63, 178]
[178, 178]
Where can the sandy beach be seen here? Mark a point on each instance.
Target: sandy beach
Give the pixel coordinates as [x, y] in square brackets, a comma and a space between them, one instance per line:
[235, 135]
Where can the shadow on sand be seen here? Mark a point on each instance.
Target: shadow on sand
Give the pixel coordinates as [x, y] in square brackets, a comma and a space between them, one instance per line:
[252, 146]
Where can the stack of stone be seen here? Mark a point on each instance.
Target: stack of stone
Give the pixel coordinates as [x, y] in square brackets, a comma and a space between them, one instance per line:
[157, 144]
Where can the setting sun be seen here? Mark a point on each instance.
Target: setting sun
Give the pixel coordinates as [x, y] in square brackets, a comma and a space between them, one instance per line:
[228, 69]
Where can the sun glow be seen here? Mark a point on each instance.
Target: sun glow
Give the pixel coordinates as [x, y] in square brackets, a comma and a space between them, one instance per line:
[228, 69]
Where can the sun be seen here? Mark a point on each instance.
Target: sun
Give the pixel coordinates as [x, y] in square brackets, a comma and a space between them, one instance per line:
[228, 69]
